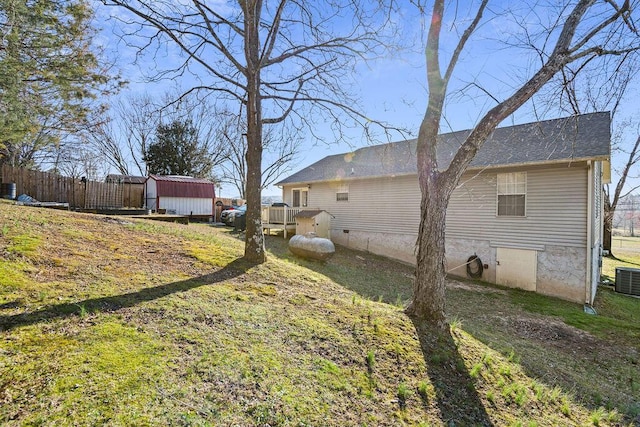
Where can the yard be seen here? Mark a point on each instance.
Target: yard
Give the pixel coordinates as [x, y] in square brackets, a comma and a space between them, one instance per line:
[106, 320]
[627, 252]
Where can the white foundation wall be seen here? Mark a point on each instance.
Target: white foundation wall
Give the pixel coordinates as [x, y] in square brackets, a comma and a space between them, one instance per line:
[458, 252]
[557, 272]
[560, 272]
[393, 245]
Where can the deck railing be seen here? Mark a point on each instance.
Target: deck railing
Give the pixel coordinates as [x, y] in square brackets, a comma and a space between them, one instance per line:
[279, 215]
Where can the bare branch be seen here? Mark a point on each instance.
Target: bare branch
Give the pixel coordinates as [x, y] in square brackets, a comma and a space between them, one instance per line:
[463, 40]
[158, 22]
[598, 28]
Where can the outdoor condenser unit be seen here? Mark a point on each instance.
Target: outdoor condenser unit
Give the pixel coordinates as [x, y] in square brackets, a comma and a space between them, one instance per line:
[628, 280]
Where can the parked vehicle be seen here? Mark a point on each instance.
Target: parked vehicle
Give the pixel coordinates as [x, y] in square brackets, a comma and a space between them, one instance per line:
[228, 216]
[224, 215]
[240, 221]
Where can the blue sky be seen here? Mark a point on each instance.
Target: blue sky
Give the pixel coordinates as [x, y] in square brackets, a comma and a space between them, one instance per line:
[393, 88]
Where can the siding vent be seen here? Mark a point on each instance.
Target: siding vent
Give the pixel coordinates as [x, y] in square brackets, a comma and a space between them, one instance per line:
[628, 280]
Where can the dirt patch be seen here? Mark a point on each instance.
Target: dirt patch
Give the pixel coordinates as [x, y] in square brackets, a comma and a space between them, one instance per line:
[551, 332]
[472, 287]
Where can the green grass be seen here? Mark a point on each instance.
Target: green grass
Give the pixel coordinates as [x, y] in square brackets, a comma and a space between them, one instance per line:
[617, 314]
[23, 244]
[626, 251]
[162, 324]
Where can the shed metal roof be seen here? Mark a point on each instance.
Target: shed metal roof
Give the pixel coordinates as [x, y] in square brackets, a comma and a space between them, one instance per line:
[584, 137]
[183, 186]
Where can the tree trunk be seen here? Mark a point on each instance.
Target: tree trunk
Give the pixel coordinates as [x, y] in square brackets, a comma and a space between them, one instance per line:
[254, 249]
[607, 233]
[430, 283]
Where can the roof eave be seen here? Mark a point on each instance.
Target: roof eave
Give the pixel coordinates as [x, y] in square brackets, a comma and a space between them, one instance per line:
[470, 168]
[541, 163]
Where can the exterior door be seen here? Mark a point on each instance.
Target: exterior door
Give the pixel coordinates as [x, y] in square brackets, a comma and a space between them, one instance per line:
[516, 268]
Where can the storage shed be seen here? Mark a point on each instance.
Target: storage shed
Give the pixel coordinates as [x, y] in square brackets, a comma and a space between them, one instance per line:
[180, 195]
[132, 189]
[314, 221]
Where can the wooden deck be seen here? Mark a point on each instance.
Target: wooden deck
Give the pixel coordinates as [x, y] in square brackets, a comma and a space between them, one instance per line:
[279, 218]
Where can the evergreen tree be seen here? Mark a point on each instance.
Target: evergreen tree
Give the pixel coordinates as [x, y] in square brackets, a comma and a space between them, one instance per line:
[176, 150]
[49, 74]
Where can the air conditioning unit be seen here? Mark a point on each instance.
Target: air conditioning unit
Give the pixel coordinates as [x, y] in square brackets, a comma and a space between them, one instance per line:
[628, 280]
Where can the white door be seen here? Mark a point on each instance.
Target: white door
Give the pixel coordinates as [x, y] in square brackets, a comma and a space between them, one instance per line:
[516, 268]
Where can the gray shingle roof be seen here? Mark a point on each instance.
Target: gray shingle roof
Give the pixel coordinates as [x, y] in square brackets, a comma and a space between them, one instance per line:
[309, 213]
[551, 141]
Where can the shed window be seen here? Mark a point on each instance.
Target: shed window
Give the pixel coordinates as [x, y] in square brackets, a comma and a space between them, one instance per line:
[342, 193]
[512, 191]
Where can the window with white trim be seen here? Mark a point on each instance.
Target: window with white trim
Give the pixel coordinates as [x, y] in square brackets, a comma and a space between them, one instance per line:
[512, 193]
[342, 193]
[300, 197]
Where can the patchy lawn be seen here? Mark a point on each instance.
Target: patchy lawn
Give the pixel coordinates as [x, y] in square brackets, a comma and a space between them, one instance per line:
[105, 320]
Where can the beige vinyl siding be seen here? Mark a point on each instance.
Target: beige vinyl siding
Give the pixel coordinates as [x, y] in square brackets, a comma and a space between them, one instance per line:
[556, 207]
[378, 205]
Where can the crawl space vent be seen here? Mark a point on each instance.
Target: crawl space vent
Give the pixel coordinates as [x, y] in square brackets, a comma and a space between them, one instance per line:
[628, 280]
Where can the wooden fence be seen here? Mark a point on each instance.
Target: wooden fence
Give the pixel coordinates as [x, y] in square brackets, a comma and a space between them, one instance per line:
[83, 194]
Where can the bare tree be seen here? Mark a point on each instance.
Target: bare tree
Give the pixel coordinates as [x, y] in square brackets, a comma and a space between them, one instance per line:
[574, 31]
[602, 86]
[232, 131]
[620, 191]
[277, 61]
[281, 145]
[122, 138]
[77, 161]
[627, 214]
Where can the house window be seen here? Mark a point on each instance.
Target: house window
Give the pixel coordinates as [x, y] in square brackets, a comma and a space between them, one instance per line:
[300, 198]
[342, 193]
[512, 191]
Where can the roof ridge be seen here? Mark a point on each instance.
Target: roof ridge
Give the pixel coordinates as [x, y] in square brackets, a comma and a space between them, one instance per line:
[565, 139]
[520, 125]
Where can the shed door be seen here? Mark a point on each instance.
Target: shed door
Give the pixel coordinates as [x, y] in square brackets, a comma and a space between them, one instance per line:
[305, 225]
[516, 268]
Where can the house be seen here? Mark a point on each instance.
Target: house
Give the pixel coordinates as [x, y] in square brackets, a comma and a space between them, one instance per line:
[529, 206]
[132, 189]
[180, 195]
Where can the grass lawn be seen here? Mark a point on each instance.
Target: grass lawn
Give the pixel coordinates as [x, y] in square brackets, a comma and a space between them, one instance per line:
[105, 320]
[626, 253]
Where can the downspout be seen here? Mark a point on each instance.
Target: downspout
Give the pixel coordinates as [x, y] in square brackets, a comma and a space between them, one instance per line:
[589, 231]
